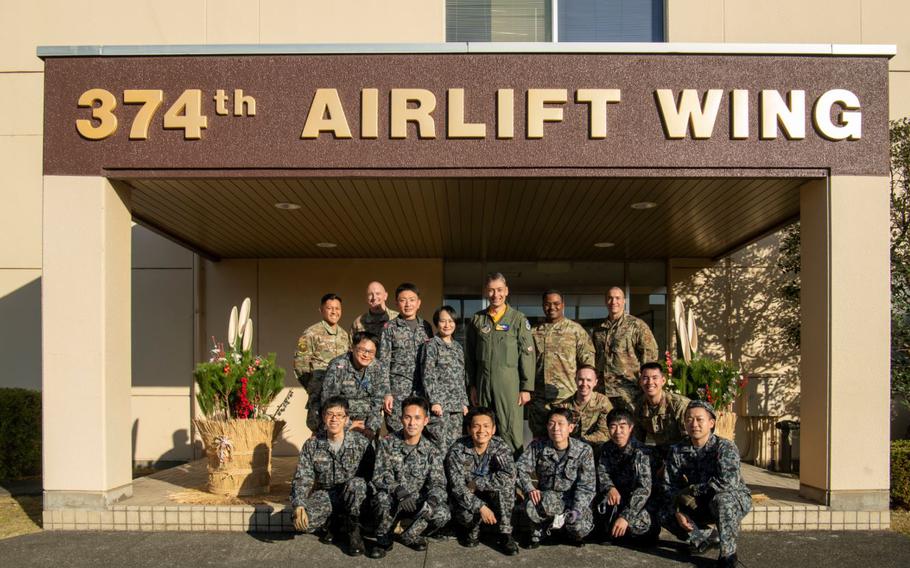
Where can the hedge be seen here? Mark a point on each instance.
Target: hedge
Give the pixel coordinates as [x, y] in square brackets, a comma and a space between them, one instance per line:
[20, 433]
[900, 473]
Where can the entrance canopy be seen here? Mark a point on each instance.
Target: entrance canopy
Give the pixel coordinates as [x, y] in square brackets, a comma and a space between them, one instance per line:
[466, 217]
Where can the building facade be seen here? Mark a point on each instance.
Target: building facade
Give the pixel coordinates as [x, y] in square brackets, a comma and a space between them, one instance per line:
[189, 260]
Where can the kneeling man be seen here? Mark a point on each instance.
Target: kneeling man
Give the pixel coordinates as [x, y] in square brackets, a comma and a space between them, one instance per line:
[566, 481]
[481, 471]
[331, 477]
[409, 480]
[705, 485]
[624, 480]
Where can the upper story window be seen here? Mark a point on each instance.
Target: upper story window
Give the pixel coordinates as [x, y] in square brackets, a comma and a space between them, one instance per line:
[572, 20]
[498, 20]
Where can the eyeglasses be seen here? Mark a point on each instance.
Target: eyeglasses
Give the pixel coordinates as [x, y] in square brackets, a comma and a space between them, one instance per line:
[365, 352]
[336, 415]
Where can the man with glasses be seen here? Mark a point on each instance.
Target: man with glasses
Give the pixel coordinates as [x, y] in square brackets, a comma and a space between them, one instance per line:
[399, 348]
[358, 377]
[319, 344]
[330, 481]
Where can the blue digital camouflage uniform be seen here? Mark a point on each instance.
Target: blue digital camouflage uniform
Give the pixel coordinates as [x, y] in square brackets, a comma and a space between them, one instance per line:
[566, 483]
[416, 470]
[327, 482]
[627, 469]
[481, 479]
[707, 485]
[398, 351]
[443, 377]
[364, 389]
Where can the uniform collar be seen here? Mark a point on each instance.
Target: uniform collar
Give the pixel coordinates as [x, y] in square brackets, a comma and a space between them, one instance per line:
[608, 323]
[329, 329]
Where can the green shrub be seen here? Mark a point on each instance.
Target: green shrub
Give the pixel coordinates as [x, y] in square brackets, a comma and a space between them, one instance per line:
[900, 473]
[20, 433]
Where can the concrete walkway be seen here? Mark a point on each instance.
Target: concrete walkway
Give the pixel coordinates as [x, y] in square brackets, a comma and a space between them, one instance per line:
[862, 549]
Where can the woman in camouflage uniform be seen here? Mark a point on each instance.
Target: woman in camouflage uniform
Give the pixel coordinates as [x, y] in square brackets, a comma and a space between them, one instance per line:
[442, 371]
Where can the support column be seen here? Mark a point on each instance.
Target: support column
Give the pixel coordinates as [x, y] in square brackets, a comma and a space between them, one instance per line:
[86, 326]
[845, 354]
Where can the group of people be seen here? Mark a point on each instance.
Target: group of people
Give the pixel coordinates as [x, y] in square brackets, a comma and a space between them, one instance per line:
[613, 452]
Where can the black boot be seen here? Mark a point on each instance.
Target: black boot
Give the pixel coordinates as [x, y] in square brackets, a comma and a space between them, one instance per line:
[327, 536]
[508, 545]
[471, 536]
[727, 561]
[383, 545]
[355, 543]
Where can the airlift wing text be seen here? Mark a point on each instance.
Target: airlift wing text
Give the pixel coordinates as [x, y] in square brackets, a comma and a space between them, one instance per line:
[836, 114]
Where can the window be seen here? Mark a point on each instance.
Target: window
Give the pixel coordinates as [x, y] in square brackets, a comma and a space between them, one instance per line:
[498, 20]
[610, 20]
[574, 20]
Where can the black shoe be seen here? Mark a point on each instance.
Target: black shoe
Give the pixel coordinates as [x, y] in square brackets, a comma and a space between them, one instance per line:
[383, 545]
[355, 542]
[508, 545]
[727, 561]
[327, 537]
[419, 544]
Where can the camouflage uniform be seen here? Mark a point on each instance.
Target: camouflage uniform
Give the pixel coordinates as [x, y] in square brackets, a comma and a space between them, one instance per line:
[443, 378]
[627, 469]
[707, 485]
[318, 345]
[561, 347]
[566, 484]
[327, 481]
[418, 470]
[364, 389]
[591, 419]
[493, 477]
[373, 323]
[621, 347]
[661, 426]
[499, 360]
[398, 352]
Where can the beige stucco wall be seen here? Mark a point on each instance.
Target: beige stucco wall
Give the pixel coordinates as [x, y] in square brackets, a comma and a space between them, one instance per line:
[285, 295]
[805, 21]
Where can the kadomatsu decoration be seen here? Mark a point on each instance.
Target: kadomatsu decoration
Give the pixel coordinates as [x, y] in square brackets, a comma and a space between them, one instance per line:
[234, 390]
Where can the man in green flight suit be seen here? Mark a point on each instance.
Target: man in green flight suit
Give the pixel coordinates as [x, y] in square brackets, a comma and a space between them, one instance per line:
[500, 361]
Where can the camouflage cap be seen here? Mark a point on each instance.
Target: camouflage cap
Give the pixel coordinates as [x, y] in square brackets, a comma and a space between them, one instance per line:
[702, 404]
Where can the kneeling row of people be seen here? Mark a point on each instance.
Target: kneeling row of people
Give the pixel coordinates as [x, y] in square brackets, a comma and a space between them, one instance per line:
[560, 484]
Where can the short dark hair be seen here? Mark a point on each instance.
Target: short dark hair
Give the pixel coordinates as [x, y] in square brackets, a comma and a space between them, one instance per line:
[567, 413]
[447, 309]
[416, 401]
[361, 335]
[493, 276]
[550, 292]
[335, 401]
[406, 287]
[328, 297]
[652, 365]
[618, 414]
[480, 411]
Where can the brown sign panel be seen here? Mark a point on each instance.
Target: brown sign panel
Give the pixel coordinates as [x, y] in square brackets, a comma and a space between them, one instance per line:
[491, 111]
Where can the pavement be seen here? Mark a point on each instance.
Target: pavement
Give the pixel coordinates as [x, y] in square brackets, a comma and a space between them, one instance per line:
[864, 549]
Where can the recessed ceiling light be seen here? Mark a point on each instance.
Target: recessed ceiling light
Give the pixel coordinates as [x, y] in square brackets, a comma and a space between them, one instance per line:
[284, 206]
[643, 205]
[326, 245]
[604, 244]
